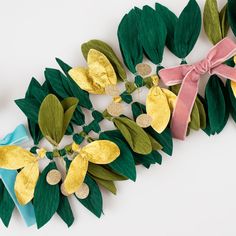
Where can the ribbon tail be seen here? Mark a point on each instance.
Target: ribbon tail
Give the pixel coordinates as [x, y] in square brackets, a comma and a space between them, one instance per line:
[8, 177]
[225, 71]
[174, 75]
[184, 105]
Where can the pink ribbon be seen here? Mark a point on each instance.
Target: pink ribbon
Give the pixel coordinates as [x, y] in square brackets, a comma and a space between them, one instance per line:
[189, 76]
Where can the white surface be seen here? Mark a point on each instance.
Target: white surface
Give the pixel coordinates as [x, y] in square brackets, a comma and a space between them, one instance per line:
[192, 193]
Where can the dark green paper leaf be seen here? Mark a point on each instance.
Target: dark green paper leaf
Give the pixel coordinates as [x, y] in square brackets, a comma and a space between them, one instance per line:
[64, 210]
[130, 45]
[124, 164]
[46, 198]
[187, 29]
[94, 200]
[152, 34]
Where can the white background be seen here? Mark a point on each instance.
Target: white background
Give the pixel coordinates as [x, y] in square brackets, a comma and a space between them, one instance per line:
[192, 193]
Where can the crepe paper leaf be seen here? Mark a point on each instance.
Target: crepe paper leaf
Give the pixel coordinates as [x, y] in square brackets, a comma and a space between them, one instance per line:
[227, 107]
[108, 52]
[147, 160]
[64, 210]
[15, 157]
[224, 21]
[6, 205]
[170, 20]
[76, 174]
[107, 184]
[94, 200]
[64, 87]
[46, 197]
[97, 76]
[97, 152]
[155, 145]
[35, 131]
[195, 118]
[124, 164]
[103, 173]
[165, 138]
[232, 99]
[202, 113]
[136, 137]
[69, 105]
[65, 67]
[30, 108]
[187, 29]
[232, 15]
[158, 109]
[25, 183]
[130, 44]
[152, 34]
[215, 103]
[171, 97]
[211, 20]
[54, 117]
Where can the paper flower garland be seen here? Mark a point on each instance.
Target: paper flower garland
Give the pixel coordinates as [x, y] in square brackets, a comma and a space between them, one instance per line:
[57, 107]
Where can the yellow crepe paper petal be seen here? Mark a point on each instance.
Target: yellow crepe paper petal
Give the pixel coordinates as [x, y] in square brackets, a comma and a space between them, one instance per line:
[233, 86]
[81, 77]
[101, 152]
[100, 69]
[158, 108]
[14, 157]
[76, 174]
[171, 97]
[25, 183]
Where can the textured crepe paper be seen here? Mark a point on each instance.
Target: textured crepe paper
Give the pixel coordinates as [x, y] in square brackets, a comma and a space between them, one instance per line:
[130, 44]
[215, 22]
[136, 137]
[94, 200]
[124, 164]
[97, 76]
[107, 184]
[216, 104]
[97, 152]
[164, 138]
[46, 197]
[64, 86]
[108, 52]
[232, 99]
[152, 34]
[232, 15]
[15, 157]
[170, 20]
[55, 116]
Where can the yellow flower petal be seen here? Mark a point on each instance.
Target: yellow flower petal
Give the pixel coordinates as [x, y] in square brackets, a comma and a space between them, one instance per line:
[101, 151]
[100, 69]
[14, 157]
[76, 174]
[171, 97]
[233, 86]
[158, 108]
[81, 77]
[25, 183]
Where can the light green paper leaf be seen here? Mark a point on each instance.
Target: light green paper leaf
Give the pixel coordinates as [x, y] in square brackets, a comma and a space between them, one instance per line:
[54, 119]
[103, 173]
[195, 118]
[136, 137]
[211, 21]
[224, 21]
[107, 184]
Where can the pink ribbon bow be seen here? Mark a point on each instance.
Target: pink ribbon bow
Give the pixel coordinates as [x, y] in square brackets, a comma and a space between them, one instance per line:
[189, 76]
